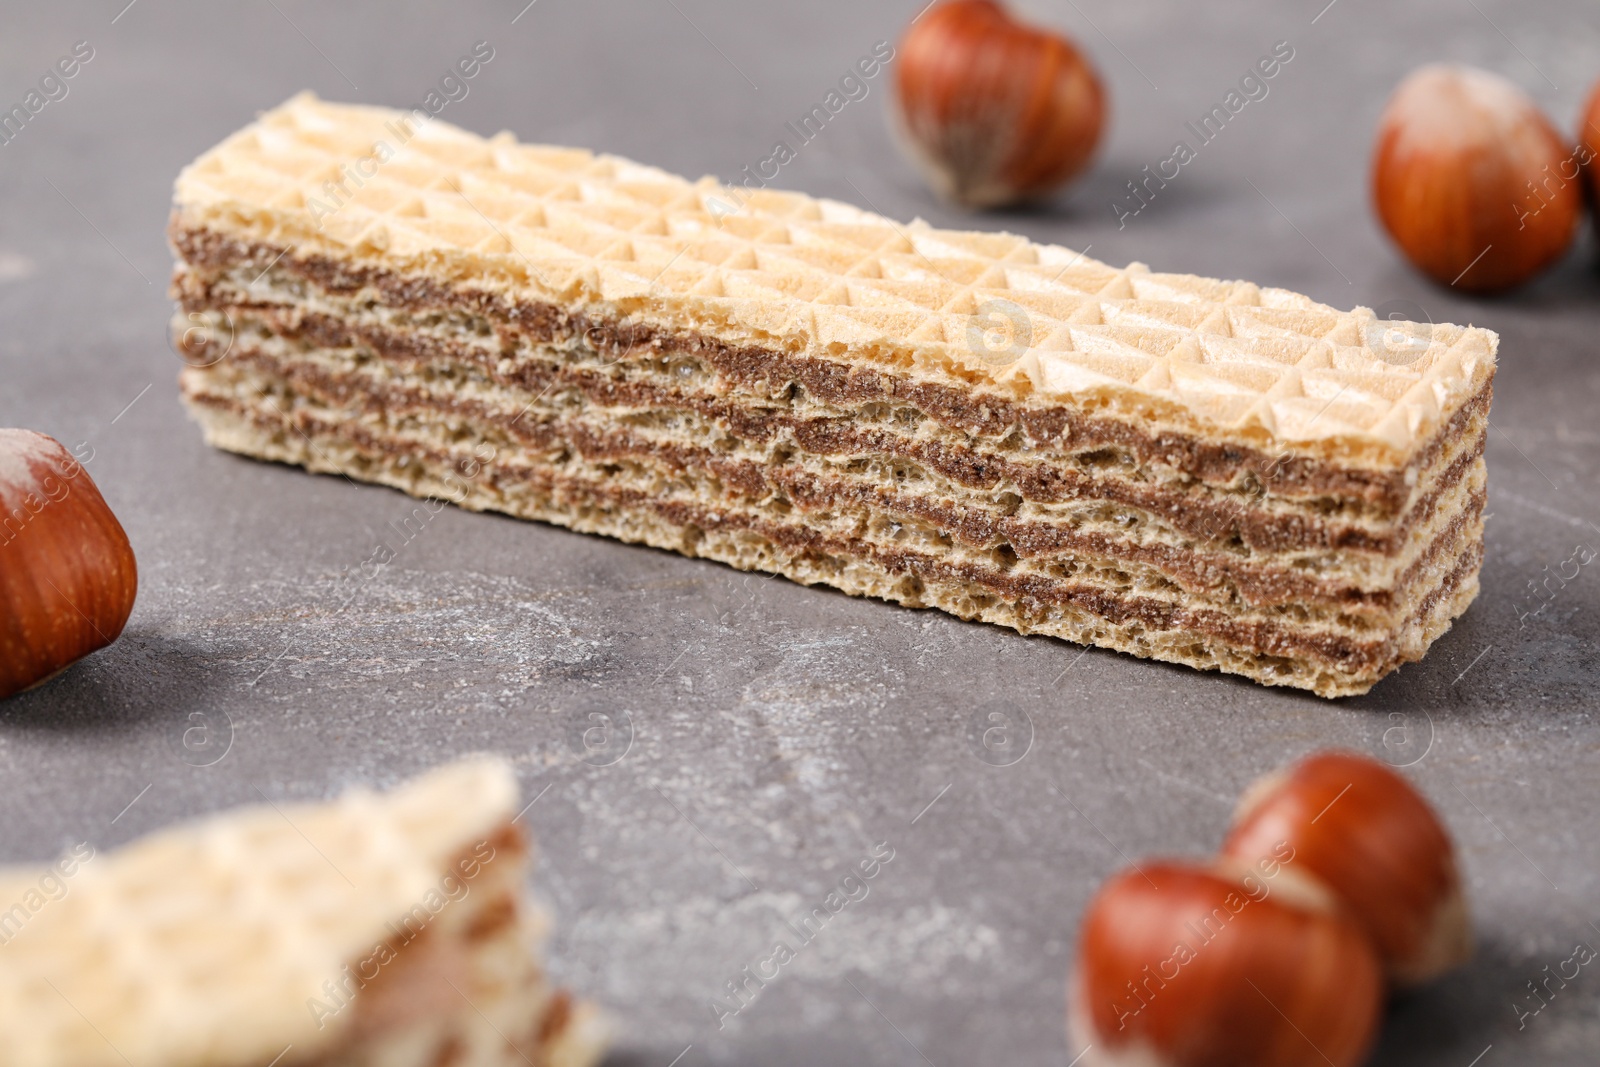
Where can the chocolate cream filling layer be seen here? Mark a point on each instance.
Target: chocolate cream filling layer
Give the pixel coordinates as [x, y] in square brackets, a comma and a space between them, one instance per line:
[1241, 522]
[1327, 663]
[972, 406]
[346, 388]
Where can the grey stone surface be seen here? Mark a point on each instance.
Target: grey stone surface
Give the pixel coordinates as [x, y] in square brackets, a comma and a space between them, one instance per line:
[765, 737]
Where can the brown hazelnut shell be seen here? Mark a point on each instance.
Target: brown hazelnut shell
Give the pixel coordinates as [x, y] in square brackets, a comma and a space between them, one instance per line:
[994, 111]
[1472, 181]
[67, 572]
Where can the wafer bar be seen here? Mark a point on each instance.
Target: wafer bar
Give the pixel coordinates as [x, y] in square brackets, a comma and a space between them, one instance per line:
[1206, 472]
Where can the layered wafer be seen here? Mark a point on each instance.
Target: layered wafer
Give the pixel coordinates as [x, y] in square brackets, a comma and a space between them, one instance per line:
[1206, 472]
[378, 930]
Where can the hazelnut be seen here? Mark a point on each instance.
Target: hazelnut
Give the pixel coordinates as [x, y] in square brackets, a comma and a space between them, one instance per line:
[995, 111]
[1588, 153]
[67, 572]
[1183, 966]
[1470, 179]
[1362, 831]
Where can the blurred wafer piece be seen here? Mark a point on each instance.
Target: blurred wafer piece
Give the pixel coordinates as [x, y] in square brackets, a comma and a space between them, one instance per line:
[378, 930]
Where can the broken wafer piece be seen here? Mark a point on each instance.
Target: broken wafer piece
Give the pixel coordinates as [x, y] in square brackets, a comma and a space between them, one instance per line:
[1205, 472]
[378, 930]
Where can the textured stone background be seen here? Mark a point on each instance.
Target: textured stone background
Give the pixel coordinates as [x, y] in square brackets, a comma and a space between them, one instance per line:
[763, 737]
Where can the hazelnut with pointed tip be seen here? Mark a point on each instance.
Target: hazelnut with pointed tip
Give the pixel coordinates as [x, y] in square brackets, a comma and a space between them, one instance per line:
[995, 111]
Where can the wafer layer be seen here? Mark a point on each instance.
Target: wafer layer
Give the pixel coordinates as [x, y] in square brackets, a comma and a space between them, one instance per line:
[1194, 511]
